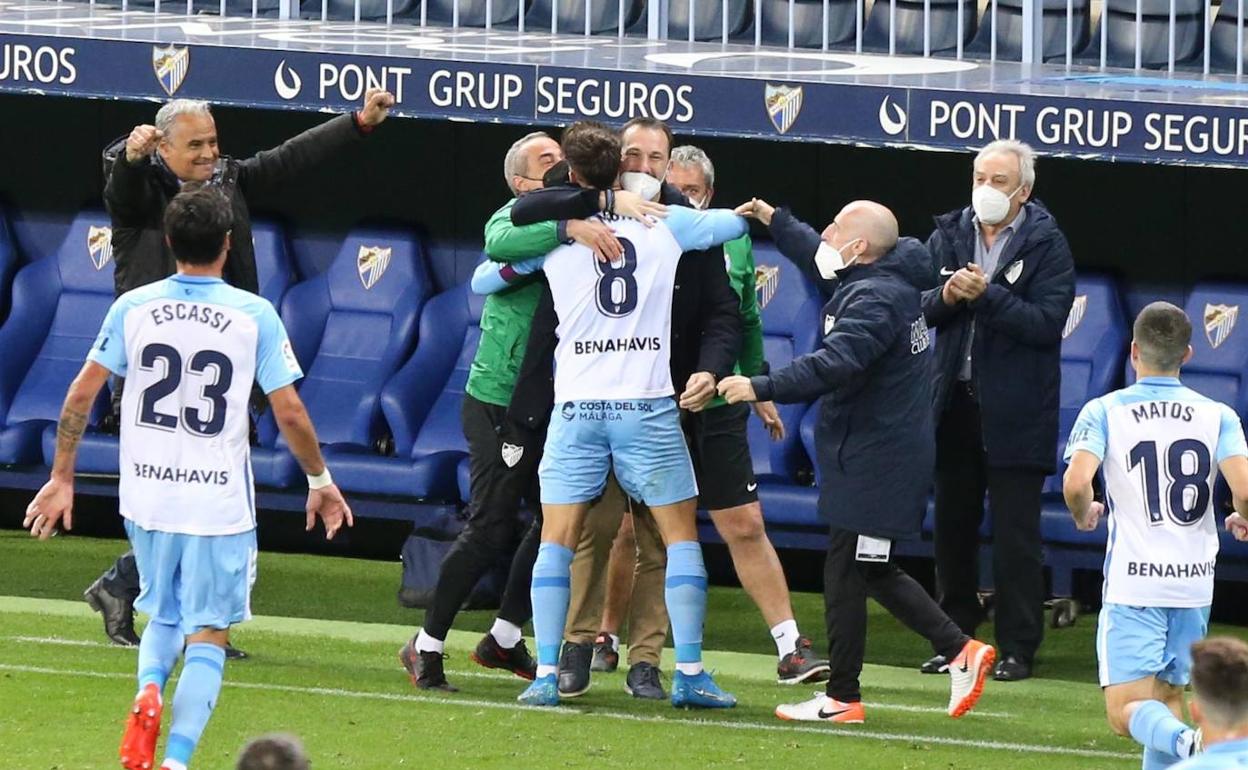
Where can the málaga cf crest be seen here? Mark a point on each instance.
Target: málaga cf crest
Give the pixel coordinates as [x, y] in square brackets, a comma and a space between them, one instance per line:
[1219, 321]
[766, 279]
[371, 263]
[170, 65]
[784, 104]
[1077, 311]
[100, 245]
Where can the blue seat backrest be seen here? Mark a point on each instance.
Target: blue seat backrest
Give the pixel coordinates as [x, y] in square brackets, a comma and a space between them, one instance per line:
[807, 432]
[790, 306]
[59, 305]
[352, 326]
[8, 264]
[273, 261]
[1219, 365]
[422, 401]
[452, 261]
[1094, 347]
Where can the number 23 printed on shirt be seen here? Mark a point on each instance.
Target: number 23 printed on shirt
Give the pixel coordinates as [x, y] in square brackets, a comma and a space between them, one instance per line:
[617, 285]
[212, 392]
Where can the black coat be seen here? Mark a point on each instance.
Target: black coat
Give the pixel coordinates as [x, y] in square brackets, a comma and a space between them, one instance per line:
[136, 196]
[1016, 360]
[875, 443]
[706, 316]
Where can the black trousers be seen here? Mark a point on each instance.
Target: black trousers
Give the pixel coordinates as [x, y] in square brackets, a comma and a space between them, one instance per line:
[962, 477]
[503, 459]
[847, 583]
[122, 579]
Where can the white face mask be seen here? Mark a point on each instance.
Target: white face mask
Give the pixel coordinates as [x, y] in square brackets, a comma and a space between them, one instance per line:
[990, 204]
[643, 184]
[828, 259]
[699, 204]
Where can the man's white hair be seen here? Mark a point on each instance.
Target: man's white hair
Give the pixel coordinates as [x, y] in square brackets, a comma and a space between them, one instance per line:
[690, 155]
[1021, 150]
[514, 162]
[168, 114]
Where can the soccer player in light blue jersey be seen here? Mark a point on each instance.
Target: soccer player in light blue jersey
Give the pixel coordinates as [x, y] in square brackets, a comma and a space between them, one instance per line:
[190, 347]
[1220, 703]
[1160, 446]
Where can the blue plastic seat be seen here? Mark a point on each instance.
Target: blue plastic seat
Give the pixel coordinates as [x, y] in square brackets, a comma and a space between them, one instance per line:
[773, 21]
[1224, 37]
[570, 16]
[274, 265]
[1008, 23]
[421, 403]
[59, 303]
[910, 24]
[1154, 33]
[351, 328]
[8, 265]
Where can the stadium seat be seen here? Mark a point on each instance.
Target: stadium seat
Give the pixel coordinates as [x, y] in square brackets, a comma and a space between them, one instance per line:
[1094, 347]
[1225, 35]
[569, 16]
[790, 310]
[807, 18]
[8, 264]
[421, 403]
[472, 13]
[273, 261]
[351, 328]
[344, 10]
[708, 19]
[1010, 32]
[909, 36]
[1154, 34]
[59, 303]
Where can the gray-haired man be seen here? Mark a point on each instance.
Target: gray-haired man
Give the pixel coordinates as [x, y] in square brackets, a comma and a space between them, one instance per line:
[143, 171]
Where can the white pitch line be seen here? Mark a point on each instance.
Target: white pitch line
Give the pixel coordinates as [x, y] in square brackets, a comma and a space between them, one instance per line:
[500, 675]
[829, 731]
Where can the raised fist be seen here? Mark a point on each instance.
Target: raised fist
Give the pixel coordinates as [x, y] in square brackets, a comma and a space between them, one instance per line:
[142, 142]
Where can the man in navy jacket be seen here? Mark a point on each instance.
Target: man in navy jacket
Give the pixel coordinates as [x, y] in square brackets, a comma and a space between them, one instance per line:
[874, 442]
[1008, 281]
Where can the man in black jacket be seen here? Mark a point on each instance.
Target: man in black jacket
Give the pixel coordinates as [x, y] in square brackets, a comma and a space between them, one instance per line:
[1008, 283]
[874, 444]
[706, 342]
[143, 171]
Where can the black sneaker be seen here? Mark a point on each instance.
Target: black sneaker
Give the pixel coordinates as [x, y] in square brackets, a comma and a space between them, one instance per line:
[118, 612]
[425, 668]
[517, 660]
[574, 669]
[801, 665]
[644, 681]
[937, 664]
[605, 656]
[233, 653]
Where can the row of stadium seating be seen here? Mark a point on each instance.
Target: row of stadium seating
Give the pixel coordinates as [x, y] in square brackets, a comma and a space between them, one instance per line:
[387, 359]
[712, 19]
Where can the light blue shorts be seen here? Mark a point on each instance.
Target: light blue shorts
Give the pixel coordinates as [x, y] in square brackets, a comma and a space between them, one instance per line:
[1137, 642]
[641, 437]
[194, 581]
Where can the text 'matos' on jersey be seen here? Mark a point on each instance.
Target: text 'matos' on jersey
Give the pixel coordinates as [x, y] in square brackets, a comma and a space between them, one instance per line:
[615, 318]
[190, 348]
[1160, 444]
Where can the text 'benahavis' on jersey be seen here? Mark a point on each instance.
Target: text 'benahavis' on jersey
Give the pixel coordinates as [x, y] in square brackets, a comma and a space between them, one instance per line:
[1160, 444]
[190, 348]
[615, 318]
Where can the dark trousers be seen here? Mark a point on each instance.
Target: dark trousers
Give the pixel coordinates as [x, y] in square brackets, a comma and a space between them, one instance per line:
[497, 488]
[122, 579]
[962, 477]
[847, 583]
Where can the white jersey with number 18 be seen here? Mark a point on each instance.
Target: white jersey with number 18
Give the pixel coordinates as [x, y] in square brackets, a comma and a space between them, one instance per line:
[1160, 444]
[190, 348]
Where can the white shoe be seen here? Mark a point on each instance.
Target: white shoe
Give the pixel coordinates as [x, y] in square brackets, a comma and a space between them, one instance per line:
[966, 676]
[821, 708]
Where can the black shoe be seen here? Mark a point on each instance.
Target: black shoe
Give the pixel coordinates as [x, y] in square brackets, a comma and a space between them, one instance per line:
[574, 669]
[233, 653]
[517, 660]
[1012, 668]
[118, 612]
[605, 656]
[937, 664]
[643, 681]
[425, 668]
[801, 665]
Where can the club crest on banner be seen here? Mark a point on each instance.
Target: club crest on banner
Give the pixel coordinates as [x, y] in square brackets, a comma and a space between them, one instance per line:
[171, 65]
[1219, 321]
[1077, 311]
[766, 279]
[371, 263]
[784, 104]
[100, 245]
